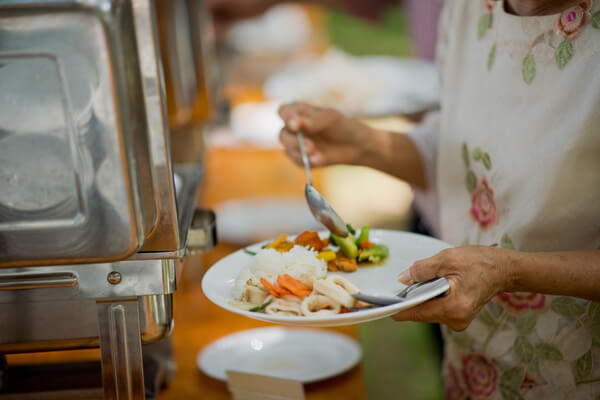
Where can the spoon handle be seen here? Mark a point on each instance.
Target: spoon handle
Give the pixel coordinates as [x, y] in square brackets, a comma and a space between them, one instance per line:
[304, 157]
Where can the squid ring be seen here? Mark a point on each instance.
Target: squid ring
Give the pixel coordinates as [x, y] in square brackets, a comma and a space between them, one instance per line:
[332, 289]
[317, 304]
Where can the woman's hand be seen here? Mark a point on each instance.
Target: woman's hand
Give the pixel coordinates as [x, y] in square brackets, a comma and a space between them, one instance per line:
[329, 136]
[475, 273]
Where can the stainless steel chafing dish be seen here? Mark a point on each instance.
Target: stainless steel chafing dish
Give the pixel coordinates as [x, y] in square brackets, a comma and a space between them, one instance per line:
[94, 215]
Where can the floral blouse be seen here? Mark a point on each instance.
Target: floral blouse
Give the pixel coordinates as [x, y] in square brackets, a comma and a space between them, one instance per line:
[514, 155]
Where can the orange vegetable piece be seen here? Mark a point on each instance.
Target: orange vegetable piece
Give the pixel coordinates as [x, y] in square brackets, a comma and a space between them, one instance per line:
[310, 239]
[366, 244]
[293, 285]
[276, 242]
[272, 289]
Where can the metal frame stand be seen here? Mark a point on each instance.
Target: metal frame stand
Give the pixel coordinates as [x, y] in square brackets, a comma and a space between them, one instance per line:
[121, 349]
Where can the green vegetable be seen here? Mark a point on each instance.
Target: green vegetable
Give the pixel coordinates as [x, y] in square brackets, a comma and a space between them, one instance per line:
[374, 254]
[252, 253]
[364, 235]
[261, 307]
[351, 229]
[347, 245]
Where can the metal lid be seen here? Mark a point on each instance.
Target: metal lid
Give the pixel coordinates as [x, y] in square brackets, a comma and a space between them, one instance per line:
[75, 158]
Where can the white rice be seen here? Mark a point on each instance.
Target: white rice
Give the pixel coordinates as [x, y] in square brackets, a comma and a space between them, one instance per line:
[299, 263]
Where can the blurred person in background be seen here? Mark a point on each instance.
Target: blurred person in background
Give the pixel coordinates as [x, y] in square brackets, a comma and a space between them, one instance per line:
[423, 19]
[514, 155]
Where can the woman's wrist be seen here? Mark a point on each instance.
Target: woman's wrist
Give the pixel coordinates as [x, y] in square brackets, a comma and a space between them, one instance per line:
[370, 141]
[515, 263]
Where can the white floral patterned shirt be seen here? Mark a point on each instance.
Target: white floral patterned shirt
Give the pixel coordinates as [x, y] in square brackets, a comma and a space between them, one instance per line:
[514, 154]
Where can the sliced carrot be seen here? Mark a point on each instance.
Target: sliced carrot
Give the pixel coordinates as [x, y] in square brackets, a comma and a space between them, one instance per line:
[293, 285]
[283, 291]
[366, 244]
[272, 290]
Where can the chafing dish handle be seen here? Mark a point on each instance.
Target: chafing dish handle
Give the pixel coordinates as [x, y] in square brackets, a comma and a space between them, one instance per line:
[202, 235]
[38, 281]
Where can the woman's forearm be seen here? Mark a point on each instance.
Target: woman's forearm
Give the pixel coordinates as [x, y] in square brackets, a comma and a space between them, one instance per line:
[395, 154]
[572, 273]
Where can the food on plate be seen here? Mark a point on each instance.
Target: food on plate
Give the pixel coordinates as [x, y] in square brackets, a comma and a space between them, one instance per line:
[342, 263]
[352, 250]
[338, 289]
[318, 304]
[295, 281]
[290, 277]
[289, 307]
[299, 263]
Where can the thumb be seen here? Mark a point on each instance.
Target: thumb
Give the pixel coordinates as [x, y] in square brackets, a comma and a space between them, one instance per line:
[420, 271]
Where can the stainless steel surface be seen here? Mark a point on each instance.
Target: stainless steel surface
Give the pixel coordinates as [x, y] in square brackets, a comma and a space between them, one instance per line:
[187, 179]
[66, 324]
[410, 288]
[38, 281]
[193, 84]
[138, 278]
[121, 350]
[166, 235]
[202, 235]
[157, 313]
[93, 224]
[319, 207]
[75, 163]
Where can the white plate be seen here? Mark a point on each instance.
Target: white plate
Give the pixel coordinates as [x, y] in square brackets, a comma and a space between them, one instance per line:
[307, 355]
[405, 248]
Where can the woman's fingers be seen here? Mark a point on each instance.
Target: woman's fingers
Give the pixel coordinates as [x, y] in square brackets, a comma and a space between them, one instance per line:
[451, 310]
[306, 118]
[289, 140]
[422, 270]
[430, 311]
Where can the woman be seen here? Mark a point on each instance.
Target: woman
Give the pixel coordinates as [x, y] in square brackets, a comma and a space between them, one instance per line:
[514, 153]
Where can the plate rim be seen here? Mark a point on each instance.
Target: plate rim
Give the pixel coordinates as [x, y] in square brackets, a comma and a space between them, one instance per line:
[333, 320]
[350, 341]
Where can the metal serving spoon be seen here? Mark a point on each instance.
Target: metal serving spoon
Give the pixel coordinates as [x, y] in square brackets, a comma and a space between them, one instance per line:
[319, 207]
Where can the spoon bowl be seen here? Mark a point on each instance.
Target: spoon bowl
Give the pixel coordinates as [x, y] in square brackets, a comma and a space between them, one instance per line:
[319, 207]
[323, 212]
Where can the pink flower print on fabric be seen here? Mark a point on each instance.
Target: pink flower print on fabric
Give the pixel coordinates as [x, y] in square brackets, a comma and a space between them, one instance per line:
[518, 303]
[530, 381]
[480, 375]
[571, 22]
[483, 206]
[454, 388]
[489, 5]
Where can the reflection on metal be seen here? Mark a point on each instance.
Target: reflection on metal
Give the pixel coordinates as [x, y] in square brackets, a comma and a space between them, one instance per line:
[188, 177]
[202, 235]
[166, 235]
[121, 349]
[37, 281]
[158, 316]
[74, 147]
[114, 278]
[49, 345]
[138, 278]
[65, 324]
